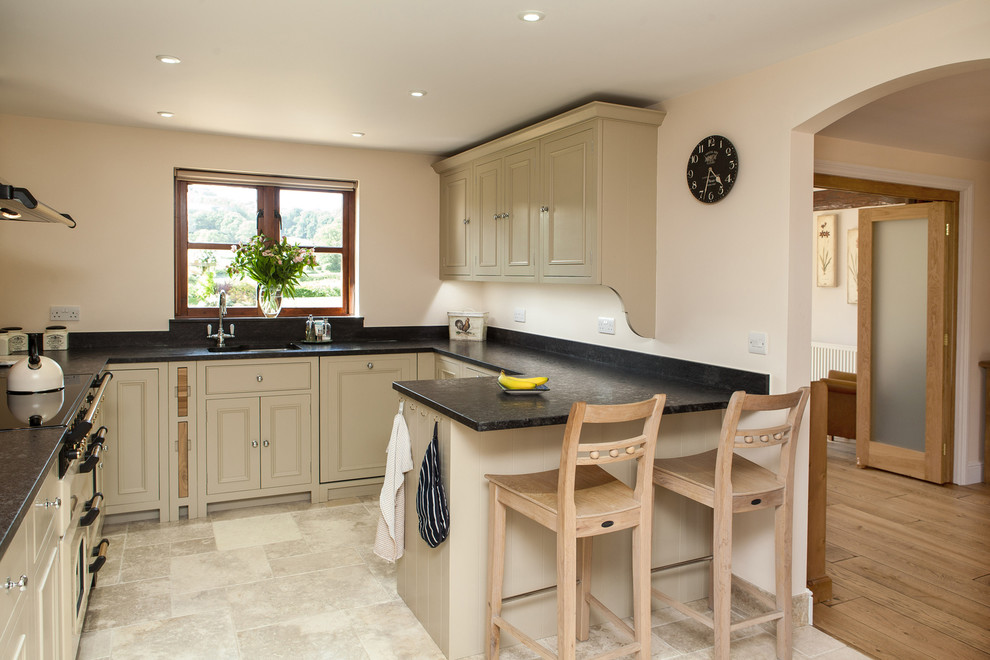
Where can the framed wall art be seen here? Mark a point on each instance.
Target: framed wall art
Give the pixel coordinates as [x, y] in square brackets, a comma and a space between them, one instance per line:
[825, 250]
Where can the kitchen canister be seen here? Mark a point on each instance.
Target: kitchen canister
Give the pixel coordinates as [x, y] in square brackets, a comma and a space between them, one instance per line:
[17, 339]
[468, 326]
[56, 338]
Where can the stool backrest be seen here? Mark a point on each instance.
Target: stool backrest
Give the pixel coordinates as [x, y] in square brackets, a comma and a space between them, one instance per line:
[790, 406]
[640, 447]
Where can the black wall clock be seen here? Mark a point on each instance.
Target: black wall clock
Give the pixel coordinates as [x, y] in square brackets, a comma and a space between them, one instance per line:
[712, 169]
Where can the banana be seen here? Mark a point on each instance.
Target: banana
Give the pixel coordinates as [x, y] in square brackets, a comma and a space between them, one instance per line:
[516, 383]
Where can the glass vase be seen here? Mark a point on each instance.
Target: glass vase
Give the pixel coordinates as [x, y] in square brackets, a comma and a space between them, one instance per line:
[270, 299]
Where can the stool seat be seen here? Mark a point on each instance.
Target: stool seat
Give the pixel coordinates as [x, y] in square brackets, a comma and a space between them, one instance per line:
[579, 501]
[753, 486]
[597, 496]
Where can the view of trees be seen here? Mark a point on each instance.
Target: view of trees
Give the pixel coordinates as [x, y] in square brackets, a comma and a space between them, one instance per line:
[225, 215]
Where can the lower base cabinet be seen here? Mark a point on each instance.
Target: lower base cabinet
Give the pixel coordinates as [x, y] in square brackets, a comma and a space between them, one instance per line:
[357, 407]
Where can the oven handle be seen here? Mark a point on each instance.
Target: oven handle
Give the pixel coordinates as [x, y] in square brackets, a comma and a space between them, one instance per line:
[104, 382]
[97, 446]
[101, 556]
[92, 511]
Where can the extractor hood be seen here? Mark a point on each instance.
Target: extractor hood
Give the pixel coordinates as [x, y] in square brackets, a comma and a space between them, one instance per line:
[20, 205]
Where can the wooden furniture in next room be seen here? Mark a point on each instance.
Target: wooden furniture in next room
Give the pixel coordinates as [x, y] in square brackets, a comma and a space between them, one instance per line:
[579, 501]
[730, 484]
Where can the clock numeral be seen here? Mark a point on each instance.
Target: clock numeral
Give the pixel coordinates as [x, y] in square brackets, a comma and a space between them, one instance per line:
[711, 142]
[694, 185]
[728, 178]
[728, 151]
[694, 159]
[732, 164]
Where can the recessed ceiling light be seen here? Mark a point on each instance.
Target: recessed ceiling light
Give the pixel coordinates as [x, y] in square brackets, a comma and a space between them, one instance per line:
[10, 214]
[357, 134]
[166, 114]
[417, 93]
[531, 16]
[168, 59]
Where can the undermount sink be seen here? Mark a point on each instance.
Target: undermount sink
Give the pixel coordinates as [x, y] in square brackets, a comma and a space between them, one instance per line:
[242, 348]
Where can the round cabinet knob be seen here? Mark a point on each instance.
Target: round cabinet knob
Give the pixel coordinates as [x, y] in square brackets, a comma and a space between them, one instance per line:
[467, 220]
[260, 378]
[57, 504]
[254, 443]
[371, 365]
[266, 443]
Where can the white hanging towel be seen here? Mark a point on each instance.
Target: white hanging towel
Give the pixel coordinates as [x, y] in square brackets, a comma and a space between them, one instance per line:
[390, 538]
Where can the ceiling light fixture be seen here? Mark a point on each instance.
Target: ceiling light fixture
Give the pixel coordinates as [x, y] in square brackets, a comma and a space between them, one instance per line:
[168, 59]
[357, 134]
[166, 114]
[10, 214]
[417, 93]
[531, 16]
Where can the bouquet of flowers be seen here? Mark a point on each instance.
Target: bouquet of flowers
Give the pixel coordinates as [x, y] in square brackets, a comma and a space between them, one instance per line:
[271, 263]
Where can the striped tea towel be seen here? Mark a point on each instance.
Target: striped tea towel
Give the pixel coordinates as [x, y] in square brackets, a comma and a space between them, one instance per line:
[431, 502]
[390, 537]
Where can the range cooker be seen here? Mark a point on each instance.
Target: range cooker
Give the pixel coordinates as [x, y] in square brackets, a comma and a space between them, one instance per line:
[80, 470]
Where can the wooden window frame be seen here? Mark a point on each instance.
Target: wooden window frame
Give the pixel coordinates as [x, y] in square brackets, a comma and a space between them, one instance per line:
[268, 188]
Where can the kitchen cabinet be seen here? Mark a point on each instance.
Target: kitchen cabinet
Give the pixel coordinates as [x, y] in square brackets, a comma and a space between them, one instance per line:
[455, 242]
[356, 411]
[258, 422]
[134, 410]
[16, 610]
[448, 367]
[505, 213]
[594, 205]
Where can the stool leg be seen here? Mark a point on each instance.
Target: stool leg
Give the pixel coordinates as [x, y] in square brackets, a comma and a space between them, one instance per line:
[566, 593]
[584, 573]
[782, 547]
[496, 569]
[641, 588]
[722, 578]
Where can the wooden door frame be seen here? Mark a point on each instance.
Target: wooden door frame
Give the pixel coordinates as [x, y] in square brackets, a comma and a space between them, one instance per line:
[818, 580]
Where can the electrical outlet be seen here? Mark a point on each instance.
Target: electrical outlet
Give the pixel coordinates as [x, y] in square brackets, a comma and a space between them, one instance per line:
[606, 325]
[64, 313]
[758, 343]
[519, 315]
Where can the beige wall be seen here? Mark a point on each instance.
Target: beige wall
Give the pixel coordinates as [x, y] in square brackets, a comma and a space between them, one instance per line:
[117, 183]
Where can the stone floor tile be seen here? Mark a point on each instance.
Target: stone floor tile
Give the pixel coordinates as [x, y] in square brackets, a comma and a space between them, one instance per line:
[317, 637]
[211, 570]
[191, 637]
[255, 531]
[128, 603]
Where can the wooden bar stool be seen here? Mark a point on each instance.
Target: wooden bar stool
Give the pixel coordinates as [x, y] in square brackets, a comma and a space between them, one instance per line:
[579, 501]
[730, 484]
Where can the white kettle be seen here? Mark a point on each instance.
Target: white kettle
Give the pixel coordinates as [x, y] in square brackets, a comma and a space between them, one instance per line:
[36, 373]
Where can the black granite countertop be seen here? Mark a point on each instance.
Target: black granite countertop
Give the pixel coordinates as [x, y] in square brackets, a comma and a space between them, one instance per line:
[577, 372]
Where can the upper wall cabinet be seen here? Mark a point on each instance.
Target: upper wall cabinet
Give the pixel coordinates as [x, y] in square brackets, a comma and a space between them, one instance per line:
[572, 199]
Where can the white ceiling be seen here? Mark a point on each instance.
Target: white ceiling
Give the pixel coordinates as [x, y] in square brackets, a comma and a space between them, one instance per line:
[315, 70]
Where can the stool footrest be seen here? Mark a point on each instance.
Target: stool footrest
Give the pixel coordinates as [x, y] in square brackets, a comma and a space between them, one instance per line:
[531, 643]
[678, 564]
[610, 615]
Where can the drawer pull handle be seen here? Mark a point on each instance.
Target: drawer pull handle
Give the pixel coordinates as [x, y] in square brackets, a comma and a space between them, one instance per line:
[260, 378]
[20, 584]
[92, 508]
[47, 503]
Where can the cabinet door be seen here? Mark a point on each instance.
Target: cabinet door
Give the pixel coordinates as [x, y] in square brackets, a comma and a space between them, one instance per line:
[447, 368]
[16, 642]
[356, 413]
[232, 445]
[48, 603]
[455, 223]
[131, 413]
[570, 193]
[487, 217]
[286, 441]
[520, 230]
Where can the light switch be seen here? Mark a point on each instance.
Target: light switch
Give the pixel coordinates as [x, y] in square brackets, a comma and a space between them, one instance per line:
[758, 343]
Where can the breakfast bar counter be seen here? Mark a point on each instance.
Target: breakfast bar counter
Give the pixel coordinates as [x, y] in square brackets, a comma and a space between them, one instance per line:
[482, 430]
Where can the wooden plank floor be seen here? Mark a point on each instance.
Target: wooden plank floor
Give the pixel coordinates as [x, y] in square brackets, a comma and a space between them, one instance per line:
[909, 561]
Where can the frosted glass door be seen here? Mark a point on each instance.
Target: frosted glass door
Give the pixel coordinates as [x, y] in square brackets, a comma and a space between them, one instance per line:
[905, 358]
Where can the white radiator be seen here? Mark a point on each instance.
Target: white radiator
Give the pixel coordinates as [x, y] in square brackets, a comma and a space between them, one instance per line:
[831, 356]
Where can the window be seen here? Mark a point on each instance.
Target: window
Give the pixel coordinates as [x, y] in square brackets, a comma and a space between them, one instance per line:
[215, 210]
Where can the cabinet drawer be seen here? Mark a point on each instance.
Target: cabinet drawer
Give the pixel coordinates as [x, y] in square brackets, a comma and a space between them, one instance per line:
[46, 516]
[254, 377]
[13, 565]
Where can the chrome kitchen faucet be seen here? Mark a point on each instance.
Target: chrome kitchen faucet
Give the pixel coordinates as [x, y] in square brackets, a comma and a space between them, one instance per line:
[220, 335]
